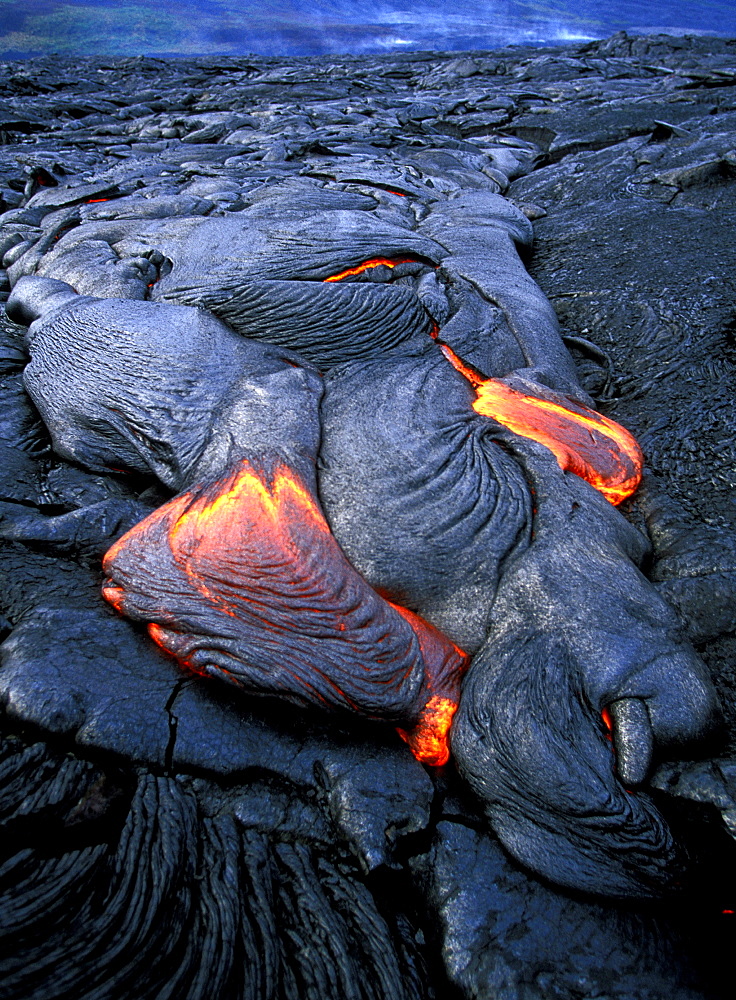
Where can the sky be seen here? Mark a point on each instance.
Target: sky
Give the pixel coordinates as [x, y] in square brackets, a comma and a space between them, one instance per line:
[313, 27]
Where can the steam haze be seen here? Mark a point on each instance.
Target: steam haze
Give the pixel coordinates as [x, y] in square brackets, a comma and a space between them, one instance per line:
[314, 27]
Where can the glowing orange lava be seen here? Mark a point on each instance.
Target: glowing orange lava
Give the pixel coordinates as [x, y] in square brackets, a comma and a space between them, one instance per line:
[248, 509]
[428, 739]
[253, 554]
[367, 265]
[249, 501]
[608, 723]
[584, 442]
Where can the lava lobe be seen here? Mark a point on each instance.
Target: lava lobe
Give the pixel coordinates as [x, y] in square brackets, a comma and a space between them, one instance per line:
[240, 578]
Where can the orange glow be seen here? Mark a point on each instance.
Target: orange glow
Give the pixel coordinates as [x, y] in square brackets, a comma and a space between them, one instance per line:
[367, 265]
[162, 638]
[261, 563]
[608, 723]
[248, 503]
[428, 739]
[249, 491]
[425, 632]
[115, 596]
[64, 230]
[155, 632]
[93, 201]
[584, 442]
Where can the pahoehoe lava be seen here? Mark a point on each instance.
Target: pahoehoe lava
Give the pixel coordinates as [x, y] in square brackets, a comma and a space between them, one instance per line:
[285, 403]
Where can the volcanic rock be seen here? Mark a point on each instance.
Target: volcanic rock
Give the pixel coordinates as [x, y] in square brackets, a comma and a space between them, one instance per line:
[223, 230]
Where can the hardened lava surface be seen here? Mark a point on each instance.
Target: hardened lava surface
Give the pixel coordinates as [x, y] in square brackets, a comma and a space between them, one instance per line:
[260, 315]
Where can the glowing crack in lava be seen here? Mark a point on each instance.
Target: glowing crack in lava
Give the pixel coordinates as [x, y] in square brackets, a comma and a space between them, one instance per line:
[368, 264]
[428, 740]
[584, 442]
[241, 578]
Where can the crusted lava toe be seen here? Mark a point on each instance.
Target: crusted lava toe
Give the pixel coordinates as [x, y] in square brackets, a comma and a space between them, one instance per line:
[241, 578]
[528, 735]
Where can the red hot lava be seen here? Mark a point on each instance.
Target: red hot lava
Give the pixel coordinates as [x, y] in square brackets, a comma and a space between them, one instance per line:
[584, 442]
[242, 578]
[367, 265]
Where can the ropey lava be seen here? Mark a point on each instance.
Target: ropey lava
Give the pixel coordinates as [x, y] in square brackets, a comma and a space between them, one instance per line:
[466, 537]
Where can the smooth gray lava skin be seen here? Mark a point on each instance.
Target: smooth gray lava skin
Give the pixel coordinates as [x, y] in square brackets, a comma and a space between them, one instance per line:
[159, 388]
[423, 501]
[264, 276]
[562, 622]
[481, 232]
[269, 605]
[263, 270]
[435, 515]
[575, 628]
[174, 840]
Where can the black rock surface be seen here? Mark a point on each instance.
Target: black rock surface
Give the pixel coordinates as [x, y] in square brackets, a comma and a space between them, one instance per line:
[162, 838]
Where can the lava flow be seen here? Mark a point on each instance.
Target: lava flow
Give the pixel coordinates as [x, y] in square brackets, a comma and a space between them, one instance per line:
[367, 265]
[242, 578]
[584, 442]
[428, 740]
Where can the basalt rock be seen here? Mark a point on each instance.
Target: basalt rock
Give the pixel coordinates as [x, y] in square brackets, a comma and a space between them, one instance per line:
[177, 394]
[245, 270]
[418, 491]
[625, 654]
[301, 288]
[503, 594]
[149, 403]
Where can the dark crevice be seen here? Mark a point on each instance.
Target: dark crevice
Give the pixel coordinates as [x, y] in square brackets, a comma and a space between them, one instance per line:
[173, 721]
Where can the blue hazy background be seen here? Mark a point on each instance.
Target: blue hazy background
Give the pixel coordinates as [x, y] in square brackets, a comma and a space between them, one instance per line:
[315, 27]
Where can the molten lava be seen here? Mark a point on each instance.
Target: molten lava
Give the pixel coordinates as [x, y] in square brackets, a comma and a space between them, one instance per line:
[428, 739]
[584, 442]
[367, 265]
[242, 578]
[608, 723]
